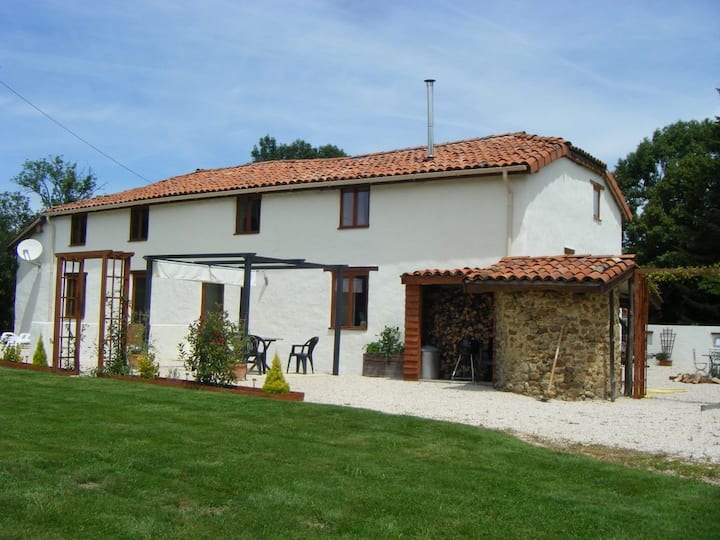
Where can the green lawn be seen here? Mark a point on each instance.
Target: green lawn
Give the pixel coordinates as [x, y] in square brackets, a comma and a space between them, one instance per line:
[99, 458]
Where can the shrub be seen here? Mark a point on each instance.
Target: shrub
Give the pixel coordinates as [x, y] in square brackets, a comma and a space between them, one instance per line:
[12, 353]
[389, 344]
[146, 366]
[115, 352]
[275, 382]
[215, 345]
[40, 356]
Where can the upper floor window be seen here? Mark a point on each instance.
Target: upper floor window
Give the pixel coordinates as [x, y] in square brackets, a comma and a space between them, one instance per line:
[355, 207]
[139, 218]
[597, 197]
[247, 214]
[78, 229]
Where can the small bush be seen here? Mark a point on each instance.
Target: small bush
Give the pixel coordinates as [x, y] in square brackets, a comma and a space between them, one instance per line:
[275, 382]
[12, 353]
[389, 344]
[40, 356]
[214, 346]
[146, 366]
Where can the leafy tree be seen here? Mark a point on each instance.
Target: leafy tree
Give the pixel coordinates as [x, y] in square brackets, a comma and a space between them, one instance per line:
[672, 184]
[270, 150]
[14, 214]
[55, 181]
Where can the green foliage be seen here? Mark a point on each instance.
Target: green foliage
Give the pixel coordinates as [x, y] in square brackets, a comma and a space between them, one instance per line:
[672, 184]
[115, 352]
[11, 353]
[275, 382]
[270, 150]
[55, 181]
[389, 344]
[215, 345]
[15, 213]
[39, 356]
[146, 365]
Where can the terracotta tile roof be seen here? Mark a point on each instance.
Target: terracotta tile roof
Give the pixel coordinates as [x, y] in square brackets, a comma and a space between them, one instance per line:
[575, 269]
[531, 151]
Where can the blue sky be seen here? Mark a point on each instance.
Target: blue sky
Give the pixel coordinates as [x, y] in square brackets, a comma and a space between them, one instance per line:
[165, 87]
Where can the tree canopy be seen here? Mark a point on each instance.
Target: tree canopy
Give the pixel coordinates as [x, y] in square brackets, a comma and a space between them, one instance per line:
[268, 149]
[55, 181]
[15, 213]
[672, 184]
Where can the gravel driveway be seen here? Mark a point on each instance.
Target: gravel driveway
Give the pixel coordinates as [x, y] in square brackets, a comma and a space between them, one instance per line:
[668, 421]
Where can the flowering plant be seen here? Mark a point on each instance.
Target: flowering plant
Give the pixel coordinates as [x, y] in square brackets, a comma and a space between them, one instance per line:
[215, 346]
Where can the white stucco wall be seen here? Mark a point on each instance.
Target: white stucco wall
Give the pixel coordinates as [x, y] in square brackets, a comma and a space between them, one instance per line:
[687, 338]
[433, 224]
[554, 211]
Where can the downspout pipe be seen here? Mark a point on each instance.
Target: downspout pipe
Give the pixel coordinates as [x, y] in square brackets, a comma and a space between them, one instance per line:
[611, 359]
[510, 216]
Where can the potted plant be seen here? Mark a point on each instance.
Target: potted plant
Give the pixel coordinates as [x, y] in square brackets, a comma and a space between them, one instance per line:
[384, 358]
[216, 346]
[663, 358]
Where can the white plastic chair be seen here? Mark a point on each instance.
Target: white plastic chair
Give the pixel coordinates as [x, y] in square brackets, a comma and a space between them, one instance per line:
[11, 338]
[8, 338]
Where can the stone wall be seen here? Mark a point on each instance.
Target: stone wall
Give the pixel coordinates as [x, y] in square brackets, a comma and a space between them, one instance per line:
[528, 326]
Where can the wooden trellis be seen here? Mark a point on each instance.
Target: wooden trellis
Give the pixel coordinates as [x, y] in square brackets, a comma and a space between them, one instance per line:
[70, 295]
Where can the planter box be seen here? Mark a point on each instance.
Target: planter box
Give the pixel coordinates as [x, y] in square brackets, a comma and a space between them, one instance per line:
[377, 365]
[162, 381]
[192, 385]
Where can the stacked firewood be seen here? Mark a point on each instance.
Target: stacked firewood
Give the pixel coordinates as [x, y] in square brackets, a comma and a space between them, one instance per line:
[693, 378]
[450, 315]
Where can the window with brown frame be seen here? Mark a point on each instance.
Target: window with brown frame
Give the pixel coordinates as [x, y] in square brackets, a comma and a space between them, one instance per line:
[247, 214]
[75, 295]
[78, 229]
[213, 298]
[139, 220]
[355, 207]
[597, 197]
[139, 301]
[355, 291]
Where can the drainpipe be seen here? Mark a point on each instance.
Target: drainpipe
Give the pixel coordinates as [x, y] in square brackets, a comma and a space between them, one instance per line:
[611, 360]
[509, 226]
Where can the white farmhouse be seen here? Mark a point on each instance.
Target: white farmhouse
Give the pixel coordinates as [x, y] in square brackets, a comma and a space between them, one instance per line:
[375, 217]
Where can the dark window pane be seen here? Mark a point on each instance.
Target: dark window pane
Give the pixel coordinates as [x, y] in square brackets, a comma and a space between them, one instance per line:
[247, 218]
[363, 208]
[78, 229]
[139, 217]
[348, 199]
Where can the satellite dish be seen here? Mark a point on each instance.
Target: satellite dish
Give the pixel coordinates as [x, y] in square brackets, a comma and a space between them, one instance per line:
[29, 250]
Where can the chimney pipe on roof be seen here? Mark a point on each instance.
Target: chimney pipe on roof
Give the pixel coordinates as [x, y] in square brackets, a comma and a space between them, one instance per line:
[430, 148]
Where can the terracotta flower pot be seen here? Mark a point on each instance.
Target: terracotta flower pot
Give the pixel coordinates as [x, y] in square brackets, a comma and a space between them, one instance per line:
[240, 372]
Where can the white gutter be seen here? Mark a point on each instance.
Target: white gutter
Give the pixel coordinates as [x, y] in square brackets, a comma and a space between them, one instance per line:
[510, 211]
[320, 184]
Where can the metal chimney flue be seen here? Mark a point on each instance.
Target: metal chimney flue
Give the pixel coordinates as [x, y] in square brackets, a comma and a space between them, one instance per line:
[430, 146]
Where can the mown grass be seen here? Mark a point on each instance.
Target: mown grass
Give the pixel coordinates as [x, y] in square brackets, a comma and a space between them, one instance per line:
[99, 458]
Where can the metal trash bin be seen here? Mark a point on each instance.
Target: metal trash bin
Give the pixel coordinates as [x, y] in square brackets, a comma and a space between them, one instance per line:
[430, 365]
